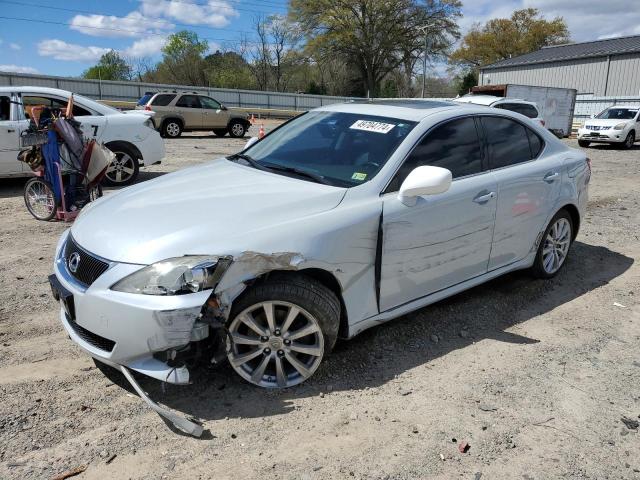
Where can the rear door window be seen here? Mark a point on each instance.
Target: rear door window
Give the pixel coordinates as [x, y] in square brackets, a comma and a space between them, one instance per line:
[454, 146]
[5, 108]
[188, 101]
[55, 104]
[508, 142]
[162, 100]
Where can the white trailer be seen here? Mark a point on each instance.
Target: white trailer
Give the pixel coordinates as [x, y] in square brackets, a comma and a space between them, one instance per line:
[555, 104]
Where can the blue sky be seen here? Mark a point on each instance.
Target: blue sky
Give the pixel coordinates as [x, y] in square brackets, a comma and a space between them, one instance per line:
[70, 36]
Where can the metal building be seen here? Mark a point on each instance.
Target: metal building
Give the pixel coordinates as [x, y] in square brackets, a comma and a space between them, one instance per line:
[608, 67]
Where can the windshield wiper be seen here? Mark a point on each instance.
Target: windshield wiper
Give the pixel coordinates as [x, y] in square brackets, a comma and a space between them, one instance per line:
[303, 173]
[249, 160]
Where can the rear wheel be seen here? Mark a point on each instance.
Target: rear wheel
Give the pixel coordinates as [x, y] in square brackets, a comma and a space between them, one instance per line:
[220, 132]
[630, 140]
[584, 143]
[554, 247]
[281, 330]
[237, 129]
[39, 199]
[124, 169]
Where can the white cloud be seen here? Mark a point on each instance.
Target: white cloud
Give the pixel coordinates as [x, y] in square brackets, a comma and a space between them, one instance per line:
[17, 69]
[134, 24]
[15, 46]
[586, 19]
[215, 13]
[146, 47]
[61, 50]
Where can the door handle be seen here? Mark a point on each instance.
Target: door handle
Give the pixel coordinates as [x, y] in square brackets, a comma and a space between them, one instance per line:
[551, 177]
[485, 197]
[11, 130]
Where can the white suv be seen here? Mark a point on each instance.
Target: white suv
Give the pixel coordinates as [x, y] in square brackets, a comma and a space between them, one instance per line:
[618, 124]
[132, 137]
[523, 107]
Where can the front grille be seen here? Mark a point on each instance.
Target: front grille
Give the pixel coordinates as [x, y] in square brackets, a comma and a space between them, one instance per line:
[88, 268]
[91, 338]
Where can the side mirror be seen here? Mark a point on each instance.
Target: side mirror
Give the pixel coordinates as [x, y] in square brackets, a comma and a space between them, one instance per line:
[250, 142]
[425, 180]
[222, 107]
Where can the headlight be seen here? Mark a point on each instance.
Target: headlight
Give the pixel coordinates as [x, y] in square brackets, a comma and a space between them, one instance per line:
[176, 276]
[620, 126]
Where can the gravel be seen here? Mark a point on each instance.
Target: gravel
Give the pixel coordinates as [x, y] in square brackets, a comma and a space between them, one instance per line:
[535, 375]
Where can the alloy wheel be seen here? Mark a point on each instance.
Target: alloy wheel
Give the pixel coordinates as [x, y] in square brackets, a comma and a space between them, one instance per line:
[275, 344]
[173, 129]
[121, 168]
[556, 246]
[237, 129]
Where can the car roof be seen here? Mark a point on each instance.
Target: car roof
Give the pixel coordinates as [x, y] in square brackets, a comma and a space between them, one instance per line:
[489, 100]
[409, 109]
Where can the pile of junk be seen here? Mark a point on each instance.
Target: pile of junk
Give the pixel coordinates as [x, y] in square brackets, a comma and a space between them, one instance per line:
[68, 168]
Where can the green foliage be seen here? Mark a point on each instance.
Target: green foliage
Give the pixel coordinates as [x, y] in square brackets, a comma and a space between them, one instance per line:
[465, 81]
[182, 59]
[228, 70]
[375, 36]
[525, 31]
[111, 66]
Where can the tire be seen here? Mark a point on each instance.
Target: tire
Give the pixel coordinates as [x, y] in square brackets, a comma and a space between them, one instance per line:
[125, 168]
[560, 251]
[629, 141]
[306, 316]
[237, 129]
[171, 128]
[584, 143]
[220, 132]
[39, 199]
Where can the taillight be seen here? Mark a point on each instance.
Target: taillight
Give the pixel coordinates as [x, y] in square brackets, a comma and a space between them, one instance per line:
[147, 107]
[542, 122]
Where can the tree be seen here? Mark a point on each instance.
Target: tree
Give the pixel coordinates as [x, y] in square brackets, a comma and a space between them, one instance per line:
[228, 70]
[111, 66]
[465, 81]
[183, 59]
[501, 38]
[376, 36]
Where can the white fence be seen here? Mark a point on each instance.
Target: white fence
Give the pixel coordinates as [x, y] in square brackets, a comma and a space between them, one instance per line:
[132, 91]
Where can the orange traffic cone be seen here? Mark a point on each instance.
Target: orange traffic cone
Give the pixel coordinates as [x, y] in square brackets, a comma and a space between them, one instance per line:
[253, 119]
[261, 131]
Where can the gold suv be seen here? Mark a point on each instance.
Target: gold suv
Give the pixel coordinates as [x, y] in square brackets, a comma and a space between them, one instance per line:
[178, 112]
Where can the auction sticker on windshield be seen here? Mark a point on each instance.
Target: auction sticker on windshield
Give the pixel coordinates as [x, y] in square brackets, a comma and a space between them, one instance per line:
[369, 126]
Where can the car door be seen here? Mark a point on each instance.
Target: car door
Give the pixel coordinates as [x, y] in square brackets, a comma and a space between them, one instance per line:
[190, 109]
[528, 186]
[11, 125]
[443, 239]
[213, 116]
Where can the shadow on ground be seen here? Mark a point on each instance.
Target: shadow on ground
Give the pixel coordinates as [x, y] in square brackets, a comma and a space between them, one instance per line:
[380, 354]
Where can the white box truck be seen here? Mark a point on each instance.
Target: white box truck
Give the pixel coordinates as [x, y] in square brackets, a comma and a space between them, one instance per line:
[556, 105]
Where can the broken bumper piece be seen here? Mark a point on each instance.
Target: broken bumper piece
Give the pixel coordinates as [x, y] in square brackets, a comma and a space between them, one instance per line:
[188, 426]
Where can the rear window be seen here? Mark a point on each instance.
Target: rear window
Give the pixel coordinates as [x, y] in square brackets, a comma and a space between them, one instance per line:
[535, 142]
[521, 108]
[508, 142]
[163, 100]
[144, 99]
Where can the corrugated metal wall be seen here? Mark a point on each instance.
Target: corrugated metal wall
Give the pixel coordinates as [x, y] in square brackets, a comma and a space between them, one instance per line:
[587, 75]
[131, 91]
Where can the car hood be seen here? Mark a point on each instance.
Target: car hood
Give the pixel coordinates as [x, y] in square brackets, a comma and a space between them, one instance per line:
[604, 122]
[219, 208]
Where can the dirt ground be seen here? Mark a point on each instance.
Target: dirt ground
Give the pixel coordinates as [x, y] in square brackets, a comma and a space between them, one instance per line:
[535, 375]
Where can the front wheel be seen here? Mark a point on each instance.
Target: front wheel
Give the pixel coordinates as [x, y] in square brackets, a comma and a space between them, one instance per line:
[584, 143]
[554, 246]
[629, 141]
[39, 199]
[237, 129]
[281, 330]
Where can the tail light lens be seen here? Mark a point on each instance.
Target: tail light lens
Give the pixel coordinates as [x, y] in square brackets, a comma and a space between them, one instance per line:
[147, 107]
[542, 122]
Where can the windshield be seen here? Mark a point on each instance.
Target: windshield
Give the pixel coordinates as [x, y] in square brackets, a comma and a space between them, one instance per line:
[344, 149]
[618, 114]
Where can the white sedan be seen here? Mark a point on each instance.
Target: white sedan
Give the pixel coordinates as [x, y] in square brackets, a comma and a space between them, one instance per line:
[131, 136]
[619, 125]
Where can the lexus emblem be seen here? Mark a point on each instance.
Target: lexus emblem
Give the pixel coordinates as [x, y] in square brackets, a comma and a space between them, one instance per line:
[73, 262]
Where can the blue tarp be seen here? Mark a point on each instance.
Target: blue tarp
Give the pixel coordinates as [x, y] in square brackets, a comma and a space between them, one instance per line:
[51, 156]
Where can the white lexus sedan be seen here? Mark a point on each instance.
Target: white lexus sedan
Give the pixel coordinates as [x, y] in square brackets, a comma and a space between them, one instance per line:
[619, 125]
[131, 136]
[343, 218]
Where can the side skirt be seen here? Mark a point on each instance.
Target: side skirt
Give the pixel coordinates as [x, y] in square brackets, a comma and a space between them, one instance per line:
[437, 296]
